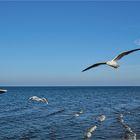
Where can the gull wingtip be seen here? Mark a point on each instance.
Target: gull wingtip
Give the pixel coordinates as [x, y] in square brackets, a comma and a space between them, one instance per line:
[82, 70]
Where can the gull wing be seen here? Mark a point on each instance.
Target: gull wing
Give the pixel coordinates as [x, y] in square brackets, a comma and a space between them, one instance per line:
[94, 65]
[118, 57]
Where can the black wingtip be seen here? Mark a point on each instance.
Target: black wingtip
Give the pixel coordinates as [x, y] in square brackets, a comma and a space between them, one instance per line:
[83, 70]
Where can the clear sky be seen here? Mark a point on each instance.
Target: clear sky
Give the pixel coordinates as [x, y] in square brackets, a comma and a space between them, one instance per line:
[49, 43]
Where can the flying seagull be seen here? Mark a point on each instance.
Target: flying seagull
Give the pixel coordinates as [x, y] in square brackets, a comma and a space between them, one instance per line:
[113, 63]
[38, 99]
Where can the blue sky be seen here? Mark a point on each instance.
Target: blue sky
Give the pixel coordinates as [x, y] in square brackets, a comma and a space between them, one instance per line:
[49, 43]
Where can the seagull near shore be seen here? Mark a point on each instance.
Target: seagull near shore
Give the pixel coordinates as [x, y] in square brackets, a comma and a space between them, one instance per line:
[113, 63]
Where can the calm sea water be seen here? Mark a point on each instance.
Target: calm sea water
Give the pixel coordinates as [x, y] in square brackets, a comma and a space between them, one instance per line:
[22, 119]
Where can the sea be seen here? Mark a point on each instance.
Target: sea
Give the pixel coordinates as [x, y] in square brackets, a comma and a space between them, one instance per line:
[70, 113]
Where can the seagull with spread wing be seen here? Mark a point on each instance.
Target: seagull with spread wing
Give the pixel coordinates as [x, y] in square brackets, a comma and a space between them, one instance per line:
[113, 63]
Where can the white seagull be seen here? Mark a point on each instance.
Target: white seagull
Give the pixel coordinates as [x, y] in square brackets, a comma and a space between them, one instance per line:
[38, 99]
[113, 63]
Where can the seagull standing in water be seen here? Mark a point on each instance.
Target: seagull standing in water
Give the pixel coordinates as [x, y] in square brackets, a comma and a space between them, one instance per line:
[113, 63]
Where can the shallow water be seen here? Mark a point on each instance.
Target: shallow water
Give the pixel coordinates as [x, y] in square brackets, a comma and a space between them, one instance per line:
[22, 119]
